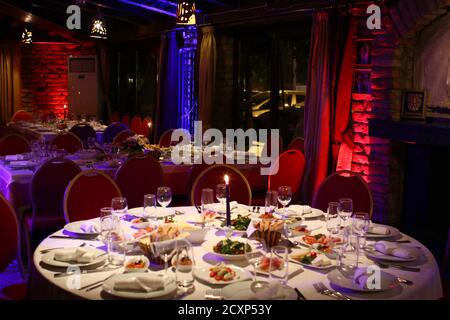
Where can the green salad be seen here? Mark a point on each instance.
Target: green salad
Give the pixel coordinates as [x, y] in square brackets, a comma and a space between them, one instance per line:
[240, 223]
[228, 246]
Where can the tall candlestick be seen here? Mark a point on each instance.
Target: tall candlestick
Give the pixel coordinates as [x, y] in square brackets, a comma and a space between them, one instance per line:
[227, 195]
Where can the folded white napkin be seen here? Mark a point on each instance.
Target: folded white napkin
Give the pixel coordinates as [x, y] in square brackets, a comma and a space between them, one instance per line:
[20, 163]
[140, 284]
[394, 250]
[75, 255]
[89, 227]
[297, 210]
[14, 157]
[218, 207]
[380, 230]
[360, 277]
[273, 291]
[321, 261]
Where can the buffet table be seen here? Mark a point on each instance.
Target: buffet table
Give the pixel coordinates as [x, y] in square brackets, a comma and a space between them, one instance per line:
[427, 284]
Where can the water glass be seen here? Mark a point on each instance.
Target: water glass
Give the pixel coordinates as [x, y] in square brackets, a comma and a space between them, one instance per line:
[254, 254]
[207, 198]
[360, 225]
[116, 246]
[345, 209]
[221, 193]
[271, 201]
[119, 206]
[348, 255]
[184, 265]
[284, 197]
[107, 223]
[333, 221]
[279, 264]
[149, 208]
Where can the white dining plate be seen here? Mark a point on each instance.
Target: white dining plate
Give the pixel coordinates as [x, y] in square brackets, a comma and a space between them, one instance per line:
[49, 258]
[208, 246]
[203, 274]
[161, 213]
[75, 227]
[387, 282]
[372, 253]
[393, 232]
[311, 266]
[242, 291]
[108, 286]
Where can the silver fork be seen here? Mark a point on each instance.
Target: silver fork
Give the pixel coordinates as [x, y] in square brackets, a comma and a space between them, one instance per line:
[213, 294]
[322, 289]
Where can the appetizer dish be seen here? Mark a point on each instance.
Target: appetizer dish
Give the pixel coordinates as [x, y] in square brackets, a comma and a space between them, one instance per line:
[267, 216]
[137, 264]
[142, 232]
[184, 262]
[139, 220]
[321, 242]
[240, 223]
[220, 272]
[301, 229]
[311, 258]
[267, 265]
[230, 247]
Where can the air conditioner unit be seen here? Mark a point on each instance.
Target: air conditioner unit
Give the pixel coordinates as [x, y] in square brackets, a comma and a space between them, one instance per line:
[83, 85]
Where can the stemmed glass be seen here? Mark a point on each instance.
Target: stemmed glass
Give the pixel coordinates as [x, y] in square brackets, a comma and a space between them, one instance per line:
[119, 206]
[165, 250]
[360, 224]
[221, 195]
[333, 221]
[254, 255]
[271, 202]
[164, 196]
[284, 197]
[345, 209]
[91, 142]
[149, 208]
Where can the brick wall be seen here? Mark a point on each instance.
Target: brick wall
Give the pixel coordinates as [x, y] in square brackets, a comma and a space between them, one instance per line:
[44, 77]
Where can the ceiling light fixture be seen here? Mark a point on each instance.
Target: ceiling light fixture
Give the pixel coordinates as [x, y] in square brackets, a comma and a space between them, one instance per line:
[186, 12]
[27, 35]
[98, 29]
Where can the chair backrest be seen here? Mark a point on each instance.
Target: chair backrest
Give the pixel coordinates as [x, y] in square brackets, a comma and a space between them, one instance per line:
[13, 144]
[145, 128]
[48, 186]
[21, 115]
[87, 193]
[112, 131]
[138, 176]
[267, 149]
[291, 168]
[136, 124]
[126, 119]
[121, 136]
[298, 144]
[240, 190]
[115, 117]
[83, 131]
[67, 141]
[196, 170]
[165, 139]
[344, 184]
[9, 233]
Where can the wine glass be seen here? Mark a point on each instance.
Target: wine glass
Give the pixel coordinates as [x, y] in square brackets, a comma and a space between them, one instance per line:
[271, 202]
[91, 142]
[221, 194]
[284, 197]
[119, 206]
[333, 221]
[207, 198]
[149, 208]
[165, 250]
[164, 196]
[345, 209]
[360, 225]
[254, 254]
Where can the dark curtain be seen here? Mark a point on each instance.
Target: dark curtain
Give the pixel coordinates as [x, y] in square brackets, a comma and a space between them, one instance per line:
[168, 72]
[104, 63]
[327, 105]
[9, 82]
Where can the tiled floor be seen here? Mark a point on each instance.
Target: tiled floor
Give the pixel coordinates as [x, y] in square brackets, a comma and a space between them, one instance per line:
[10, 276]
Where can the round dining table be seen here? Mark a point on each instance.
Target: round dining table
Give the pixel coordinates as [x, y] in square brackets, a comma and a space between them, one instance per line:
[426, 283]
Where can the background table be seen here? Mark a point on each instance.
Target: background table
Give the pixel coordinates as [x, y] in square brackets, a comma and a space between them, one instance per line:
[427, 284]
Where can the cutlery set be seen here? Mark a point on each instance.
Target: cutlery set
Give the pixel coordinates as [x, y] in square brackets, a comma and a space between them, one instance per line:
[322, 289]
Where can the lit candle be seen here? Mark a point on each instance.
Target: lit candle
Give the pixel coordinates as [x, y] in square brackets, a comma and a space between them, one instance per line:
[227, 195]
[65, 111]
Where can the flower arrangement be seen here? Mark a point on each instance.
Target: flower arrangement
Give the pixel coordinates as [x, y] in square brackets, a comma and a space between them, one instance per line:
[134, 145]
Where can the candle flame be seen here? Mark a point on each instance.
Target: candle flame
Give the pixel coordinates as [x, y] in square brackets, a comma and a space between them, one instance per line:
[65, 106]
[227, 180]
[149, 124]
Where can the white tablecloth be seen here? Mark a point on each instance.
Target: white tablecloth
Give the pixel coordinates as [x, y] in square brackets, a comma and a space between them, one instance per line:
[427, 284]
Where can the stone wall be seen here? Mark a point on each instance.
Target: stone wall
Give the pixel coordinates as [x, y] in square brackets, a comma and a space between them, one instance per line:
[44, 74]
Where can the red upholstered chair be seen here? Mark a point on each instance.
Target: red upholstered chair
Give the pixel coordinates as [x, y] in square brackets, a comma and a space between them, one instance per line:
[298, 144]
[83, 131]
[291, 168]
[138, 176]
[9, 239]
[196, 170]
[165, 139]
[126, 119]
[115, 117]
[67, 141]
[13, 144]
[146, 127]
[21, 115]
[344, 184]
[240, 190]
[136, 124]
[87, 193]
[112, 131]
[121, 136]
[267, 149]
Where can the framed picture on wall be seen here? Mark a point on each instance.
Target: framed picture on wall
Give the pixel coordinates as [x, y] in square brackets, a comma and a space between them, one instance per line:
[413, 104]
